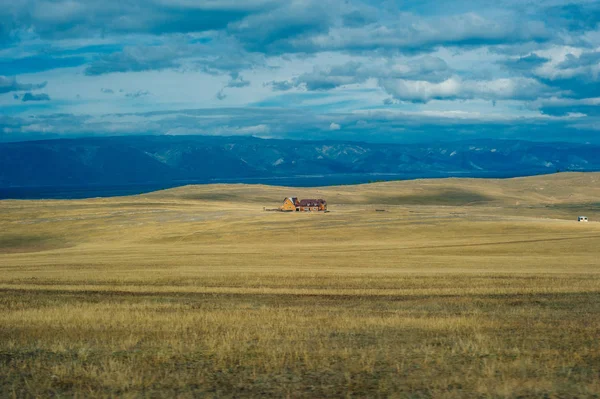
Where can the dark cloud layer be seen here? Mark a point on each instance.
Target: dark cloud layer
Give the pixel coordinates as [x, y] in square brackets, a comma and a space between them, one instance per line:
[8, 84]
[524, 64]
[35, 97]
[81, 18]
[283, 25]
[587, 59]
[38, 63]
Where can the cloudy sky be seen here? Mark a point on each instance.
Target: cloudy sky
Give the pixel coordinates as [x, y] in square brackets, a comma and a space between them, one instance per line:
[369, 70]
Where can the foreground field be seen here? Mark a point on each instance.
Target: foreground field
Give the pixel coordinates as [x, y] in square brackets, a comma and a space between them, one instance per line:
[443, 288]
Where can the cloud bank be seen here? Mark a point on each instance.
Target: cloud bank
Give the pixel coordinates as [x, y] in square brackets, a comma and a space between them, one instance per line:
[348, 69]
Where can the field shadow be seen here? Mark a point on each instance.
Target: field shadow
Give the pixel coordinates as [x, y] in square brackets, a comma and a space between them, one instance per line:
[22, 243]
[454, 197]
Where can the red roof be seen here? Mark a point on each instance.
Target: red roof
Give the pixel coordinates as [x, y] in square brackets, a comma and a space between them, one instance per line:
[312, 202]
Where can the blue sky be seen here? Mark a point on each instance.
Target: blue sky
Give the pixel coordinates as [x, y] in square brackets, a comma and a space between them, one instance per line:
[382, 71]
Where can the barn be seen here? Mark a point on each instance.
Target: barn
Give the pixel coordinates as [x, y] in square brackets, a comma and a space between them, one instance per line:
[289, 204]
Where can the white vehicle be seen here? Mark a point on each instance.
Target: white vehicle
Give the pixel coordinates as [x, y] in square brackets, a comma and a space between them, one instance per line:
[582, 219]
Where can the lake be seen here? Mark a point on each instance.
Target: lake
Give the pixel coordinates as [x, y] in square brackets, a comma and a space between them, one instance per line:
[92, 191]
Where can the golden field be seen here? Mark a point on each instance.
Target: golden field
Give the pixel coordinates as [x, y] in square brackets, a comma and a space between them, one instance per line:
[446, 288]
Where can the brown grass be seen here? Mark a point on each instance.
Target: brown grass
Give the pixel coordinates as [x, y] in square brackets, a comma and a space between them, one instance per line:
[462, 288]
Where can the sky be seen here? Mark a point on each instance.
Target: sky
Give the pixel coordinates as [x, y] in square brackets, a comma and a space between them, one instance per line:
[372, 70]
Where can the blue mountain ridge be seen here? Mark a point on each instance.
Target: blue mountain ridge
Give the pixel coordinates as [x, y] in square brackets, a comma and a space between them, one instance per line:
[170, 159]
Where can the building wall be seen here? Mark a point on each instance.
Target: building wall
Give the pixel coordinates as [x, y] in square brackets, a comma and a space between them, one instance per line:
[312, 208]
[288, 206]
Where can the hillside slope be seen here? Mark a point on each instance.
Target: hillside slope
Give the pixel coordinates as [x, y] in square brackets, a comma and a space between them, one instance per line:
[556, 189]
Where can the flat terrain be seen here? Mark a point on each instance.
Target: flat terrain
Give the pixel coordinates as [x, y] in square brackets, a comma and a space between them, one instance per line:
[424, 289]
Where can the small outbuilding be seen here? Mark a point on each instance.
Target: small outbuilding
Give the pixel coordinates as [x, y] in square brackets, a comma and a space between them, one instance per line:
[582, 219]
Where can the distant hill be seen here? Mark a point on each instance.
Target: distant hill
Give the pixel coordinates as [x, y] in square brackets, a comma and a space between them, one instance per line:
[560, 190]
[169, 159]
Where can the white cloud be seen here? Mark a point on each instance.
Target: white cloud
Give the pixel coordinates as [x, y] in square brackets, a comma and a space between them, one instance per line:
[420, 90]
[456, 88]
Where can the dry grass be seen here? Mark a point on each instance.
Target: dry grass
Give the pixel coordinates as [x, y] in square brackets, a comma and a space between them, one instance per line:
[462, 288]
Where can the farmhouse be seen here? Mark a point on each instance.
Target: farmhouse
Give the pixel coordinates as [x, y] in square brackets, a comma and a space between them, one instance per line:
[292, 204]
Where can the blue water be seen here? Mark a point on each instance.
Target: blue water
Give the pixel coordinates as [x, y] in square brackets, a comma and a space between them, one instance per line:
[93, 191]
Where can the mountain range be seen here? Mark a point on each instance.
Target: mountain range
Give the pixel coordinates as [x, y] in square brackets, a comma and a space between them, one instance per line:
[173, 159]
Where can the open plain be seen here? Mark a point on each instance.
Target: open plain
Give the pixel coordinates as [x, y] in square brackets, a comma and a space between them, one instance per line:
[446, 288]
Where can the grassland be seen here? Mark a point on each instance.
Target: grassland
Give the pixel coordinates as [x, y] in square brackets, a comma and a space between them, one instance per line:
[460, 288]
